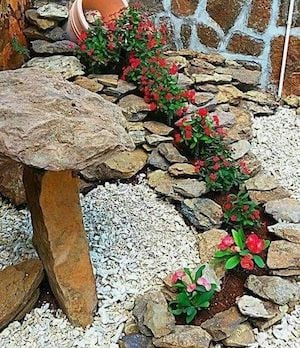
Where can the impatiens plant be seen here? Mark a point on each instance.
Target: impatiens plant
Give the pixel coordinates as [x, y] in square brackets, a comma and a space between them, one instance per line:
[219, 173]
[241, 250]
[240, 211]
[201, 134]
[194, 293]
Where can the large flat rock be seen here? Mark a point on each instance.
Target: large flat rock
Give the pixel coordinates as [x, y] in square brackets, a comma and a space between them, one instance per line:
[58, 125]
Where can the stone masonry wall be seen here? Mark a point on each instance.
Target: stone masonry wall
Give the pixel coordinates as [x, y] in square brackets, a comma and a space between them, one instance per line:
[245, 30]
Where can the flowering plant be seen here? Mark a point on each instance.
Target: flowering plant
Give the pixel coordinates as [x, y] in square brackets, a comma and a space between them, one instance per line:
[219, 173]
[194, 293]
[240, 211]
[201, 134]
[241, 250]
[133, 42]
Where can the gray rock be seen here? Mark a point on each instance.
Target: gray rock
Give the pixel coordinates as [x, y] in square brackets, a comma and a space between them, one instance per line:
[170, 153]
[58, 47]
[202, 98]
[261, 98]
[68, 66]
[42, 23]
[184, 81]
[240, 149]
[121, 89]
[275, 289]
[215, 78]
[227, 119]
[138, 137]
[283, 254]
[53, 11]
[249, 78]
[223, 324]
[242, 336]
[136, 108]
[158, 161]
[136, 341]
[259, 110]
[255, 308]
[287, 209]
[55, 34]
[263, 324]
[108, 80]
[62, 126]
[191, 188]
[202, 212]
[290, 232]
[155, 139]
[158, 128]
[261, 182]
[152, 314]
[185, 336]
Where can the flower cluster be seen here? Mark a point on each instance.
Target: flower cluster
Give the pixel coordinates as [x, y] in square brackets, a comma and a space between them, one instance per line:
[132, 42]
[194, 292]
[240, 211]
[201, 134]
[241, 250]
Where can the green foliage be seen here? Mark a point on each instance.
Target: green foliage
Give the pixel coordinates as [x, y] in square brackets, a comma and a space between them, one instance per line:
[19, 48]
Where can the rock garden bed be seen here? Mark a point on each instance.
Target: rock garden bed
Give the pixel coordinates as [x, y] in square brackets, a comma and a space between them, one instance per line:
[209, 180]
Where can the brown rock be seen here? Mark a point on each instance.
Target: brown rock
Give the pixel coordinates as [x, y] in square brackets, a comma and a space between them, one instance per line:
[157, 177]
[244, 44]
[62, 126]
[108, 80]
[89, 84]
[122, 165]
[208, 36]
[283, 13]
[43, 23]
[246, 78]
[228, 94]
[11, 184]
[260, 14]
[185, 34]
[292, 77]
[266, 196]
[170, 153]
[185, 336]
[261, 182]
[18, 285]
[12, 22]
[242, 128]
[62, 243]
[242, 336]
[261, 98]
[158, 128]
[182, 169]
[223, 324]
[224, 12]
[283, 254]
[183, 8]
[263, 324]
[290, 232]
[29, 305]
[150, 6]
[136, 108]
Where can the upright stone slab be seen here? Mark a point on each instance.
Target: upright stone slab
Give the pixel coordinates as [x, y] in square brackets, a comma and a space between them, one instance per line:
[60, 239]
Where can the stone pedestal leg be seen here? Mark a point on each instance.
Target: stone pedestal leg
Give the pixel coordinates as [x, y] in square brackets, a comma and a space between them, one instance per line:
[61, 242]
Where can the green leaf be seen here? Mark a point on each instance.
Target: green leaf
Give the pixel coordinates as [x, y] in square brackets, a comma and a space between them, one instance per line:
[232, 262]
[183, 299]
[200, 298]
[191, 315]
[222, 253]
[177, 311]
[199, 272]
[188, 272]
[244, 252]
[239, 238]
[267, 244]
[204, 304]
[259, 261]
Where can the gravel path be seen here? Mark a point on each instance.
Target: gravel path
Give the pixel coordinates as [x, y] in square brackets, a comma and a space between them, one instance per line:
[136, 239]
[277, 146]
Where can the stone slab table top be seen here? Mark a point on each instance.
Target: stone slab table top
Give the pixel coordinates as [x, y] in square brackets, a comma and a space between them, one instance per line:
[55, 128]
[49, 123]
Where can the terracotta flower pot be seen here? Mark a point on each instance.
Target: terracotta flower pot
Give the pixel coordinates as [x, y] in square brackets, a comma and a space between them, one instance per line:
[77, 22]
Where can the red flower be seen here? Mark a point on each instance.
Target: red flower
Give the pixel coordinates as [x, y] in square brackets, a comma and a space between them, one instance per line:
[216, 159]
[152, 43]
[227, 206]
[216, 120]
[247, 262]
[152, 106]
[216, 166]
[255, 215]
[221, 131]
[83, 47]
[173, 70]
[190, 94]
[200, 163]
[255, 244]
[179, 112]
[180, 122]
[169, 96]
[82, 37]
[207, 131]
[202, 112]
[233, 218]
[226, 242]
[188, 132]
[245, 207]
[111, 46]
[244, 168]
[177, 137]
[213, 176]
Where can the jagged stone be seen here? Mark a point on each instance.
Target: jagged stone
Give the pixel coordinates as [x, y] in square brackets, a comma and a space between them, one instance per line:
[283, 254]
[170, 153]
[290, 232]
[158, 128]
[242, 336]
[287, 209]
[255, 308]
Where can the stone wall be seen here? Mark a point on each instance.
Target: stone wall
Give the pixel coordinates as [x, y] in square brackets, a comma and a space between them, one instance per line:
[12, 21]
[246, 30]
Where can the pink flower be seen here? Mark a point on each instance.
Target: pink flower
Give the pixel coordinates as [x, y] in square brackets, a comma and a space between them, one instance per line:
[191, 287]
[226, 242]
[204, 282]
[178, 275]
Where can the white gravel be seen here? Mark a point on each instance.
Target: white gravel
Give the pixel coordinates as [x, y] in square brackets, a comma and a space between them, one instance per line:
[136, 239]
[276, 144]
